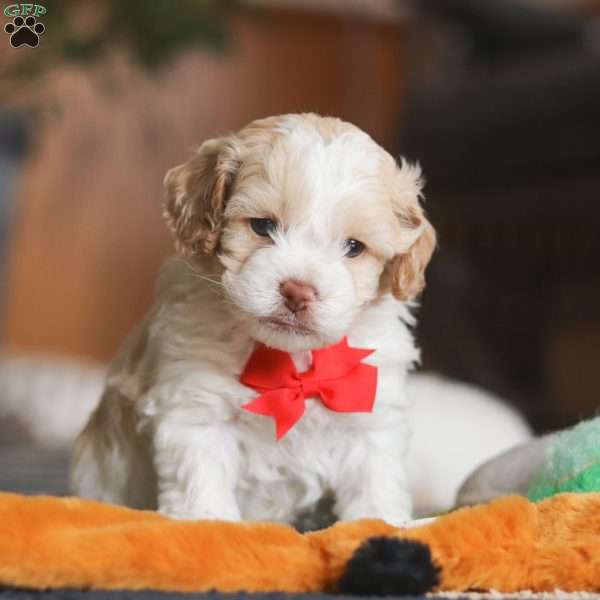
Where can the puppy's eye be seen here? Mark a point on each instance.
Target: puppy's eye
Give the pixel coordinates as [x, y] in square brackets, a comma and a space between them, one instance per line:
[353, 248]
[263, 227]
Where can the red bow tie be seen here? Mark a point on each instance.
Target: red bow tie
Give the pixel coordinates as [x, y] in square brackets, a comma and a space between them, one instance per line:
[336, 376]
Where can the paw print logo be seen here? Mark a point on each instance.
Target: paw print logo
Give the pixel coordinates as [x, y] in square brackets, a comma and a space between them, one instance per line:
[24, 31]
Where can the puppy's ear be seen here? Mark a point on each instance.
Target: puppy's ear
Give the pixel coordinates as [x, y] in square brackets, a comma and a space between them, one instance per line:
[196, 193]
[406, 271]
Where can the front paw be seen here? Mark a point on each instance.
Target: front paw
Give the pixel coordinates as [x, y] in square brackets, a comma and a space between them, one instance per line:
[197, 514]
[175, 506]
[397, 518]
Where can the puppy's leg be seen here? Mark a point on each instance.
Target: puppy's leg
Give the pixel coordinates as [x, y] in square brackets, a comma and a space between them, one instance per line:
[110, 462]
[197, 469]
[374, 486]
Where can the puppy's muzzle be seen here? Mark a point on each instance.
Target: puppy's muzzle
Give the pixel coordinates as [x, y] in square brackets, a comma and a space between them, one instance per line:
[297, 295]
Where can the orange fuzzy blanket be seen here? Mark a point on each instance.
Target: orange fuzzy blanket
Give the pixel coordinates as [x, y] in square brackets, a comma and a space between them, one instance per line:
[508, 545]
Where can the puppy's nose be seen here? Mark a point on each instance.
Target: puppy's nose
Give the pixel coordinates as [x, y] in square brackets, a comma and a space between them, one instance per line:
[298, 294]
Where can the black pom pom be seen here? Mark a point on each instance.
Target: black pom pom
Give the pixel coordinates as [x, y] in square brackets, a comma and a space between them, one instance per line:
[390, 567]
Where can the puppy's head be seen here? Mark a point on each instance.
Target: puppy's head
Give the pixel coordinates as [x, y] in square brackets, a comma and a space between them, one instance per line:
[310, 220]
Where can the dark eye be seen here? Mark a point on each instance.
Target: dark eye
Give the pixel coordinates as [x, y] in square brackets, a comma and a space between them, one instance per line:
[263, 227]
[353, 248]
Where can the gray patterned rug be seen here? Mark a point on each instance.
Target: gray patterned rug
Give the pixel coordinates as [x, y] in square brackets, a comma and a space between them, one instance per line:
[29, 470]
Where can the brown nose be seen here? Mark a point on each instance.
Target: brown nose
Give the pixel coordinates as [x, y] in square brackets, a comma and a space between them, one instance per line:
[298, 294]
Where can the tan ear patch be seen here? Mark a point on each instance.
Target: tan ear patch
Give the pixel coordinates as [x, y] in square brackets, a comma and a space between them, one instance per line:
[195, 196]
[407, 270]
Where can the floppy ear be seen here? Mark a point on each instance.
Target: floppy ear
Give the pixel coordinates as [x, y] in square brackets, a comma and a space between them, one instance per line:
[196, 193]
[406, 271]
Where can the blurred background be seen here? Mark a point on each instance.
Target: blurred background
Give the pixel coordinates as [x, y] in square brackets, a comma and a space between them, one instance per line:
[499, 100]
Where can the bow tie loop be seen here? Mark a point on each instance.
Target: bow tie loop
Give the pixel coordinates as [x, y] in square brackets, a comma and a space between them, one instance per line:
[269, 369]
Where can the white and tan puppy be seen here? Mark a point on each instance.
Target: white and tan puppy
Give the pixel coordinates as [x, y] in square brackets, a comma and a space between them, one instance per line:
[294, 232]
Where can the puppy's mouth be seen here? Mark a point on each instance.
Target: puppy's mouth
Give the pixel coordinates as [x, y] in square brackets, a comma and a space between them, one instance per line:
[286, 326]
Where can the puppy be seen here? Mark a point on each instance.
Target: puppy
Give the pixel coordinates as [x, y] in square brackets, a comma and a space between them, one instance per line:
[296, 235]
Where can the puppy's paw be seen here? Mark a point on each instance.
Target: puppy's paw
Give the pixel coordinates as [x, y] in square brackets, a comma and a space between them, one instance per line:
[198, 514]
[398, 519]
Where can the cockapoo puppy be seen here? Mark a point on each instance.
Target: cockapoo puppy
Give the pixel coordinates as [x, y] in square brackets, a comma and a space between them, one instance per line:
[298, 237]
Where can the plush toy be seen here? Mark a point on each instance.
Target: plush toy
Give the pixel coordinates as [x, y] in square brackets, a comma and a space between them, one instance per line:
[571, 463]
[509, 545]
[564, 461]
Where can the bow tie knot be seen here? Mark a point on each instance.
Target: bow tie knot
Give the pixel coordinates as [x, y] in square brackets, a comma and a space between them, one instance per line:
[337, 377]
[310, 387]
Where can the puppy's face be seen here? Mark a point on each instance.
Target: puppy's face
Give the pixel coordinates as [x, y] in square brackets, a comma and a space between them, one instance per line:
[311, 221]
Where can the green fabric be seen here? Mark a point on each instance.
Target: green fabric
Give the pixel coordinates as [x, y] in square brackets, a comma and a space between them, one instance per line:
[572, 463]
[586, 481]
